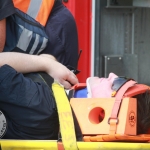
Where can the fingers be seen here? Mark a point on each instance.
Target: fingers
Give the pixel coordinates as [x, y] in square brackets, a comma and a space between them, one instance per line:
[62, 74]
[66, 84]
[70, 81]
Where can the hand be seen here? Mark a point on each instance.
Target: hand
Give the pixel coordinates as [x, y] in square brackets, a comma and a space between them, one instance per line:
[60, 73]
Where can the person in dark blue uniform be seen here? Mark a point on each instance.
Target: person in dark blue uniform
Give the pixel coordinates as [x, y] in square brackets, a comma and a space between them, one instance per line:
[63, 37]
[27, 102]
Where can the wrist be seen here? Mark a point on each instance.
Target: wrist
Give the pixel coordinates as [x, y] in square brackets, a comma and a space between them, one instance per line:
[47, 63]
[49, 56]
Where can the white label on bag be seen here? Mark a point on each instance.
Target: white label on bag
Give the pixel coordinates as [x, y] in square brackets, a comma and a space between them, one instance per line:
[3, 124]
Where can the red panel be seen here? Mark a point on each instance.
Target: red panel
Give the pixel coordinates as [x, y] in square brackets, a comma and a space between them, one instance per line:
[81, 10]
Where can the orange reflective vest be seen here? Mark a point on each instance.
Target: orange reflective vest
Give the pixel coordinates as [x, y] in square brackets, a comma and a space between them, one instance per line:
[37, 9]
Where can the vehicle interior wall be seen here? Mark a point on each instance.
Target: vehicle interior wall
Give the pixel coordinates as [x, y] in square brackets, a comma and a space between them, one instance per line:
[122, 33]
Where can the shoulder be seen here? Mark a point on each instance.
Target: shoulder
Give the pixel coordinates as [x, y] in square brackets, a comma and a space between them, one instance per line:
[5, 3]
[61, 17]
[60, 13]
[6, 8]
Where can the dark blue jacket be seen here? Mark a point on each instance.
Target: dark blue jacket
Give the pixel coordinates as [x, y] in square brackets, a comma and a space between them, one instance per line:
[29, 107]
[63, 38]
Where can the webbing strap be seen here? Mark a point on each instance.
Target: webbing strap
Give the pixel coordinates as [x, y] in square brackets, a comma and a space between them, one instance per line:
[65, 118]
[113, 120]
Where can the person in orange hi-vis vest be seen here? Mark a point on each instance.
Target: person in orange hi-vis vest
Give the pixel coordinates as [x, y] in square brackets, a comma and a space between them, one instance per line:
[60, 27]
[28, 106]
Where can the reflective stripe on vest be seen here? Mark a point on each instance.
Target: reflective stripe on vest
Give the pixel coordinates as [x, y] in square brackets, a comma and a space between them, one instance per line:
[37, 9]
[26, 40]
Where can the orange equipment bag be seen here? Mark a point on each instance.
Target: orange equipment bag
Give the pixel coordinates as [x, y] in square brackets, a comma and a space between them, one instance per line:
[110, 119]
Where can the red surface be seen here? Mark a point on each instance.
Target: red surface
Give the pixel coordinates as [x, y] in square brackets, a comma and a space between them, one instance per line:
[81, 10]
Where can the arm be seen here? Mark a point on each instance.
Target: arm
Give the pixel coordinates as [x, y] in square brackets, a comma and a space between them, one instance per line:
[2, 33]
[25, 63]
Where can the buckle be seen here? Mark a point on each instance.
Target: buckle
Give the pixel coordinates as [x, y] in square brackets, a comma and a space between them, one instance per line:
[113, 94]
[117, 120]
